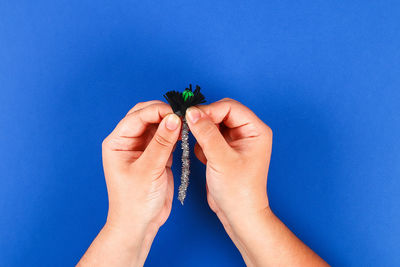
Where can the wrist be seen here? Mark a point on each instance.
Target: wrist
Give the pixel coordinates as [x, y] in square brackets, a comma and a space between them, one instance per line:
[114, 247]
[245, 229]
[248, 215]
[247, 222]
[132, 234]
[135, 240]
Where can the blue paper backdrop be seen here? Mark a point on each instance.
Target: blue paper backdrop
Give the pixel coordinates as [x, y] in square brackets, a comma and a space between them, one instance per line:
[325, 75]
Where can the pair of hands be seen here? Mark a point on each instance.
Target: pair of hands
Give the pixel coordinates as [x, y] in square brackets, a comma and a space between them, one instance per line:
[137, 156]
[236, 147]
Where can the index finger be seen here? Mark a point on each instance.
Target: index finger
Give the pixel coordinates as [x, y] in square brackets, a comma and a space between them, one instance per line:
[232, 114]
[135, 123]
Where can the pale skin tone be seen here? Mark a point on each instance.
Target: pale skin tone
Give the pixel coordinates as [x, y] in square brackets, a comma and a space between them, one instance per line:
[233, 143]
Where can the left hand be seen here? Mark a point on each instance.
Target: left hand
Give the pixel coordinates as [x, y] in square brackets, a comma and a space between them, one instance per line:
[137, 158]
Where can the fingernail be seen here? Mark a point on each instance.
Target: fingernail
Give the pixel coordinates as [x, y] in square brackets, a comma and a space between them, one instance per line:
[172, 122]
[193, 114]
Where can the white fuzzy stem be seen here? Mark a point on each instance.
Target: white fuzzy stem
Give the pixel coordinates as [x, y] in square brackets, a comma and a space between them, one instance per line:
[185, 162]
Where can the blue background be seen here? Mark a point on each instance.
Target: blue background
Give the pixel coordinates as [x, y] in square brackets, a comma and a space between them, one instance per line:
[325, 75]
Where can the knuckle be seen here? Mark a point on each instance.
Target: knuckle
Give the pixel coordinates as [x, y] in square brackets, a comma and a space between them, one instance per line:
[211, 203]
[144, 104]
[162, 141]
[106, 143]
[136, 107]
[267, 131]
[158, 102]
[157, 105]
[230, 100]
[139, 104]
[113, 142]
[124, 126]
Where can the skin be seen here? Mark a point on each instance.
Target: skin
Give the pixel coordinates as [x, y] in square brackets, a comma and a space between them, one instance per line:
[234, 144]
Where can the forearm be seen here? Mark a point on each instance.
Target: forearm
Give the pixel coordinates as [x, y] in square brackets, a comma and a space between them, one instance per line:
[265, 241]
[115, 247]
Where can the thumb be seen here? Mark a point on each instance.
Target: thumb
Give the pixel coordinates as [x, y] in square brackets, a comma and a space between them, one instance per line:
[160, 147]
[208, 136]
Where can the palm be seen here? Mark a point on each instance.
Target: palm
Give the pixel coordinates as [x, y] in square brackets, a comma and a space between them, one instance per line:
[162, 188]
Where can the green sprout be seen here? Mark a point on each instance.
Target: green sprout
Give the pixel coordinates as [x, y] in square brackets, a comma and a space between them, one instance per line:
[187, 94]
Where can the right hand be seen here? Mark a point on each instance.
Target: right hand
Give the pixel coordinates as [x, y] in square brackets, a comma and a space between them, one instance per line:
[236, 147]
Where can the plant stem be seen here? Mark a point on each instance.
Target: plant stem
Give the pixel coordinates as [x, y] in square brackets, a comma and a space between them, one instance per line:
[185, 161]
